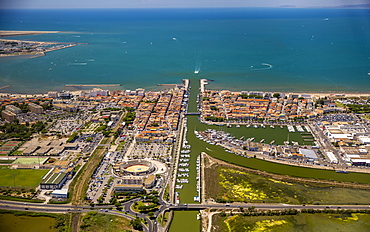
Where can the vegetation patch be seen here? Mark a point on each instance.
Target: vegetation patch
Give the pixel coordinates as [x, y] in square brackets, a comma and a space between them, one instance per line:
[20, 131]
[144, 207]
[226, 184]
[97, 222]
[27, 178]
[21, 221]
[317, 221]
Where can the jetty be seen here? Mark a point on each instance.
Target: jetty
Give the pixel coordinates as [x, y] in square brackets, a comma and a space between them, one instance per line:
[4, 87]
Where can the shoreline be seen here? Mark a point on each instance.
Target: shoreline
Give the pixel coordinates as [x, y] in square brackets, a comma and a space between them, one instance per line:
[320, 94]
[4, 33]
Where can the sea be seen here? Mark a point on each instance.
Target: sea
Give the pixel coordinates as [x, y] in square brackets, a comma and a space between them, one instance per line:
[251, 49]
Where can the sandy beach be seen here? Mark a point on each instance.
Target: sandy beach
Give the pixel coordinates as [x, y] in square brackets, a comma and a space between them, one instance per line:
[18, 33]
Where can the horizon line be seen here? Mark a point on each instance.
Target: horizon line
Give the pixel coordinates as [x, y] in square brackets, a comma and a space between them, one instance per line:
[190, 7]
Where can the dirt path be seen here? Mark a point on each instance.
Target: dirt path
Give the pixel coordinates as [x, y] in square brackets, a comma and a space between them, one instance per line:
[75, 222]
[79, 188]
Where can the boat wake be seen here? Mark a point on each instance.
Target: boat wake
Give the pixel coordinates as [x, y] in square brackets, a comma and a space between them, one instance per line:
[269, 66]
[77, 64]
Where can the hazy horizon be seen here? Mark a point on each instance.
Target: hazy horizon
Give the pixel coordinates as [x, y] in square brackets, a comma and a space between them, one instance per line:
[93, 4]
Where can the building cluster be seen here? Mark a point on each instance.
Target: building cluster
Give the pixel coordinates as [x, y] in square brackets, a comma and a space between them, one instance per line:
[35, 147]
[249, 145]
[236, 106]
[134, 183]
[352, 140]
[9, 47]
[11, 112]
[158, 115]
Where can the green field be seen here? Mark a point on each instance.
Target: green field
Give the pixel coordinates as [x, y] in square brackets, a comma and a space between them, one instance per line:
[30, 161]
[94, 221]
[185, 221]
[230, 184]
[27, 178]
[301, 222]
[10, 222]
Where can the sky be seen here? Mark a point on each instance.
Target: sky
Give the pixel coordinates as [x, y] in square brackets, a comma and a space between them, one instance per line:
[47, 4]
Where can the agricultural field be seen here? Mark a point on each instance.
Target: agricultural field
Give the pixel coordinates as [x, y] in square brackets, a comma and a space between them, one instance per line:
[331, 222]
[185, 221]
[23, 178]
[227, 184]
[96, 222]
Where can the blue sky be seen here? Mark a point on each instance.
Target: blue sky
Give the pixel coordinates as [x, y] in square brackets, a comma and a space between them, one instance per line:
[170, 3]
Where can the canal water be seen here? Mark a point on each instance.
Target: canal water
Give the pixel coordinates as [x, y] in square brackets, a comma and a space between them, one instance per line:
[269, 134]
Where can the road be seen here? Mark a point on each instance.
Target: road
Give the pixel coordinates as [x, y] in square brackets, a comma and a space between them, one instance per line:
[153, 226]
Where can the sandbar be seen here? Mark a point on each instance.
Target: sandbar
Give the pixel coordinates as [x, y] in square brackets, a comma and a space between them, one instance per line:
[18, 33]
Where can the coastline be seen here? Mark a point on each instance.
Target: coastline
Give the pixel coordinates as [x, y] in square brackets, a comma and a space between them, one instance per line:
[4, 33]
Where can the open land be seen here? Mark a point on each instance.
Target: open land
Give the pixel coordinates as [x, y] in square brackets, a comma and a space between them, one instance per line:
[225, 183]
[301, 222]
[26, 178]
[21, 221]
[10, 222]
[94, 221]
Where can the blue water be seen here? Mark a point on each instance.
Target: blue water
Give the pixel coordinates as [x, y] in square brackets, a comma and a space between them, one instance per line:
[240, 49]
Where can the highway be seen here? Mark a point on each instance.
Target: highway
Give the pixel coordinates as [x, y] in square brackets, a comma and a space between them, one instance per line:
[152, 225]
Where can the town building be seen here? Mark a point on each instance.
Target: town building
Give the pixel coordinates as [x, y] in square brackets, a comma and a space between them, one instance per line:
[34, 108]
[13, 109]
[8, 115]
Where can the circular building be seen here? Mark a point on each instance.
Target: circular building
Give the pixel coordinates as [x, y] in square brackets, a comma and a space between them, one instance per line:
[137, 167]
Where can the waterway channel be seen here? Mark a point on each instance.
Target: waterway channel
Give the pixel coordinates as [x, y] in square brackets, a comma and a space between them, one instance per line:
[198, 146]
[188, 191]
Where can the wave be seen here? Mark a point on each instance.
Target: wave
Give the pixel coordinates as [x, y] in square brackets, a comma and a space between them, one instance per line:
[77, 64]
[90, 59]
[269, 66]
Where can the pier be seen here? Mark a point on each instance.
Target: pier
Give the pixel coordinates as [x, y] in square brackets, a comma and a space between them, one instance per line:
[4, 87]
[203, 83]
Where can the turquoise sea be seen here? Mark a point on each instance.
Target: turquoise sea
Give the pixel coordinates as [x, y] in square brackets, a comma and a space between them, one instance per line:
[240, 49]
